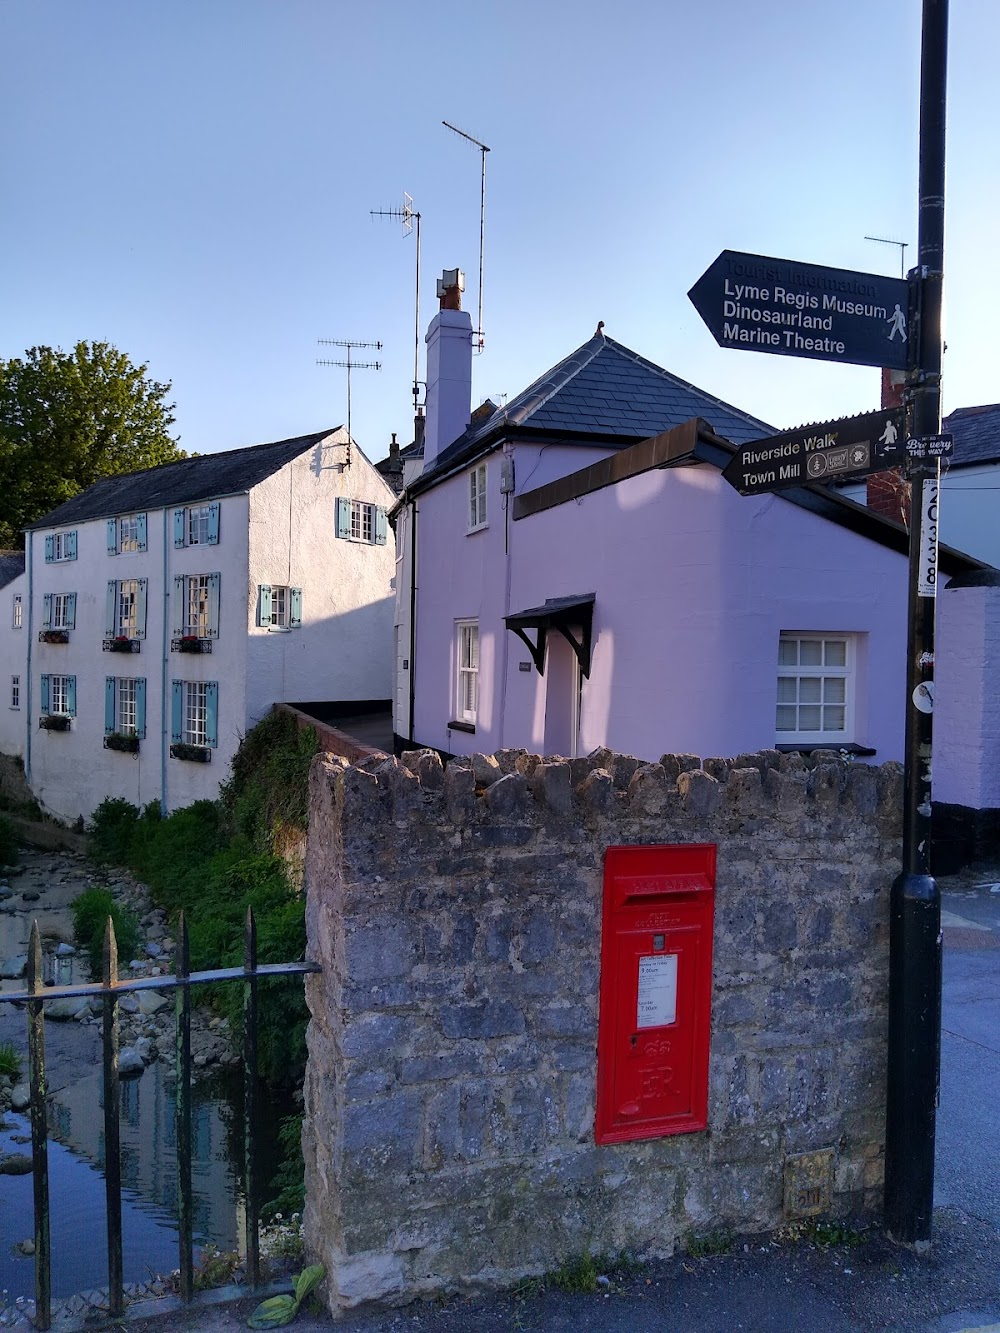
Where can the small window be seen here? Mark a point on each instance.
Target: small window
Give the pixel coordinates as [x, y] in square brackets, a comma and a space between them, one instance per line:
[125, 721]
[125, 706]
[60, 546]
[197, 525]
[467, 701]
[477, 497]
[128, 608]
[18, 620]
[279, 606]
[61, 691]
[196, 615]
[63, 610]
[195, 713]
[127, 535]
[359, 521]
[196, 605]
[815, 689]
[15, 691]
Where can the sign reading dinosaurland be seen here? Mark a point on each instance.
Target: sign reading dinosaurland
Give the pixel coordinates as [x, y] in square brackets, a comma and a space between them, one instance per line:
[791, 309]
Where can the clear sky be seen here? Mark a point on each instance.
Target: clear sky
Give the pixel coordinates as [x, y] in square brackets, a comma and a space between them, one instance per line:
[191, 180]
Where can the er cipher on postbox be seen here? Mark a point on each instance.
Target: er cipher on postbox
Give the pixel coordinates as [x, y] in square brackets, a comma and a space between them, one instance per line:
[656, 991]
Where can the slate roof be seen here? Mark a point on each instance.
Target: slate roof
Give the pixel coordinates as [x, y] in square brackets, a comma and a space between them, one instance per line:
[11, 564]
[187, 481]
[606, 390]
[977, 434]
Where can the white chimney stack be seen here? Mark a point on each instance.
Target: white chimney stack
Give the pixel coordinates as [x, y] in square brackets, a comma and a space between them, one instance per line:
[449, 368]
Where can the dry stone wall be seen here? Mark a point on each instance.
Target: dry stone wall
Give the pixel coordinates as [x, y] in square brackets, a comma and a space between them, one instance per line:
[456, 912]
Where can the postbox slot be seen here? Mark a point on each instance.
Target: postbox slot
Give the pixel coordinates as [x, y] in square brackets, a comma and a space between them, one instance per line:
[655, 991]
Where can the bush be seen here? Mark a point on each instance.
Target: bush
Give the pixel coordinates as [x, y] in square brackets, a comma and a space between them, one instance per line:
[112, 830]
[90, 918]
[8, 843]
[269, 786]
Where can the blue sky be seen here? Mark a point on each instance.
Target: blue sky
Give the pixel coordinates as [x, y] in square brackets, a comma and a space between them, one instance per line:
[191, 181]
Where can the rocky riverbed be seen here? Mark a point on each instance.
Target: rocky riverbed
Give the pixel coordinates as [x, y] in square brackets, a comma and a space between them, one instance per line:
[42, 888]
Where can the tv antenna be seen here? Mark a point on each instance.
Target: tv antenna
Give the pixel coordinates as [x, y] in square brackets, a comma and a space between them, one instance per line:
[350, 364]
[480, 334]
[903, 246]
[408, 215]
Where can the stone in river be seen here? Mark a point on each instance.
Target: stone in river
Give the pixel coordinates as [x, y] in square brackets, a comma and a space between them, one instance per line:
[130, 1063]
[61, 1011]
[13, 967]
[15, 1164]
[20, 1097]
[30, 896]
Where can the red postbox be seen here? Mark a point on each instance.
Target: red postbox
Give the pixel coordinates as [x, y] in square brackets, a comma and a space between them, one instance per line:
[656, 991]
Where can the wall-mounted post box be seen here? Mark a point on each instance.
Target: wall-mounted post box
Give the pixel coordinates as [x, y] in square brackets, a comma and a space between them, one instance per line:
[656, 991]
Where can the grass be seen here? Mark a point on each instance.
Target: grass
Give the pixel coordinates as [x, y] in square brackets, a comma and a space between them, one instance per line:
[709, 1244]
[10, 1062]
[824, 1233]
[90, 919]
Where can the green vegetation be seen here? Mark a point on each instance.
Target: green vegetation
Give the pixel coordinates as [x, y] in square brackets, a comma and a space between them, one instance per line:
[288, 1179]
[10, 1062]
[708, 1244]
[214, 859]
[8, 843]
[90, 918]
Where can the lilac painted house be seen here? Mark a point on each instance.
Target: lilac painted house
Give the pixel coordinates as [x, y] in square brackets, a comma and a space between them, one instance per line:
[572, 572]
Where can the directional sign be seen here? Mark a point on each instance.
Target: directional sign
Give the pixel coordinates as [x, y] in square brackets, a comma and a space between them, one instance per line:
[790, 309]
[852, 447]
[931, 446]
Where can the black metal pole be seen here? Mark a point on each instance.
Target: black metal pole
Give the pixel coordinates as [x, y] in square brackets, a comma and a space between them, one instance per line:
[915, 904]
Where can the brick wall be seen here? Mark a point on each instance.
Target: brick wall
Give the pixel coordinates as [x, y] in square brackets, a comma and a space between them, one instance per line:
[451, 1081]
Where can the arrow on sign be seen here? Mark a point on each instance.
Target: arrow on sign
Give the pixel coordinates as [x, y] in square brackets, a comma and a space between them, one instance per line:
[789, 309]
[851, 447]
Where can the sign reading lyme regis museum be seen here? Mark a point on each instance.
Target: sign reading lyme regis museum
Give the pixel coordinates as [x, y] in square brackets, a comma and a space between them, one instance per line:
[791, 309]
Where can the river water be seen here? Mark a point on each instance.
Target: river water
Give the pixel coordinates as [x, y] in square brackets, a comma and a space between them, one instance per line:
[76, 1126]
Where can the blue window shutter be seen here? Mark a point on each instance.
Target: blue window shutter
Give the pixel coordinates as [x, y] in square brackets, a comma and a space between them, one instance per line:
[177, 711]
[213, 524]
[44, 694]
[140, 609]
[111, 609]
[71, 695]
[295, 607]
[178, 527]
[213, 605]
[177, 604]
[140, 530]
[112, 536]
[381, 525]
[71, 610]
[47, 611]
[212, 712]
[50, 543]
[140, 708]
[343, 517]
[110, 717]
[70, 544]
[264, 604]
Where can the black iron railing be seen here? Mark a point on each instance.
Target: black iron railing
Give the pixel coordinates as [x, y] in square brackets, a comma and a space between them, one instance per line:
[110, 989]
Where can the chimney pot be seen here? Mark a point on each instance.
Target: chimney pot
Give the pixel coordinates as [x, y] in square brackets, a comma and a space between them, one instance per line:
[450, 287]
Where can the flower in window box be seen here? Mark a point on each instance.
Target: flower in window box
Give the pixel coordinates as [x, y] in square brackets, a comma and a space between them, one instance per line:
[123, 741]
[121, 643]
[198, 754]
[53, 636]
[189, 643]
[54, 722]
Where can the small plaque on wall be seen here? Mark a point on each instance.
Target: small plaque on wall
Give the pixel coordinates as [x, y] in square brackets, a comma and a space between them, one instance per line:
[524, 666]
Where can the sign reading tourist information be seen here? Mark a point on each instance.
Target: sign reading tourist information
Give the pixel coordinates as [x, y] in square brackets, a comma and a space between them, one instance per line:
[852, 447]
[789, 309]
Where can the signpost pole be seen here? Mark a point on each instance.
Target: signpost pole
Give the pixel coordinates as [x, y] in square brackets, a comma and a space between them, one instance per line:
[915, 903]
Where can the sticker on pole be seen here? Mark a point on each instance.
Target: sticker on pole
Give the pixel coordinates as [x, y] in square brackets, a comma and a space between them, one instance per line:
[657, 1002]
[923, 697]
[927, 574]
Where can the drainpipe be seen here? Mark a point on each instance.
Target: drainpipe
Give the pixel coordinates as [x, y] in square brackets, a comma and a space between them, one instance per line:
[164, 735]
[29, 542]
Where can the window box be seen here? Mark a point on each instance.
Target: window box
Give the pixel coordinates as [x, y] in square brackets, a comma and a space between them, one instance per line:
[190, 643]
[197, 754]
[121, 644]
[126, 744]
[53, 636]
[54, 722]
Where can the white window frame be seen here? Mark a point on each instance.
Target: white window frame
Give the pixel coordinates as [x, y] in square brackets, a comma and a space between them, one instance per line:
[362, 521]
[126, 706]
[281, 605]
[59, 552]
[60, 607]
[195, 716]
[477, 498]
[828, 673]
[196, 525]
[59, 696]
[128, 534]
[18, 617]
[197, 612]
[15, 691]
[127, 609]
[466, 671]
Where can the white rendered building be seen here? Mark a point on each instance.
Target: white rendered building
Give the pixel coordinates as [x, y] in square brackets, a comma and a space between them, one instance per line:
[164, 612]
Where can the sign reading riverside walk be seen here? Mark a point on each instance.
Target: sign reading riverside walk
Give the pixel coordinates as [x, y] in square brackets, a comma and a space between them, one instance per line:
[852, 447]
[789, 309]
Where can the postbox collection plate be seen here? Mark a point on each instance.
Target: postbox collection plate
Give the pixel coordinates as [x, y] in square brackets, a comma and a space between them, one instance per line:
[656, 991]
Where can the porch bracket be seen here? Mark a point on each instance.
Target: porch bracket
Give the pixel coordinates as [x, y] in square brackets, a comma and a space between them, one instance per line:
[562, 614]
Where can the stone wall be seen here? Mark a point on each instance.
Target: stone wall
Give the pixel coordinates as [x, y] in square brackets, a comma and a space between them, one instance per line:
[452, 1050]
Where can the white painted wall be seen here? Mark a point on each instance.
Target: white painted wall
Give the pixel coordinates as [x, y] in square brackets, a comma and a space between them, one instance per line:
[13, 662]
[967, 698]
[343, 650]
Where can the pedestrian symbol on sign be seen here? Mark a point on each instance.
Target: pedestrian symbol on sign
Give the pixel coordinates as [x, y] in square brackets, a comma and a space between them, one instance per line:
[897, 322]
